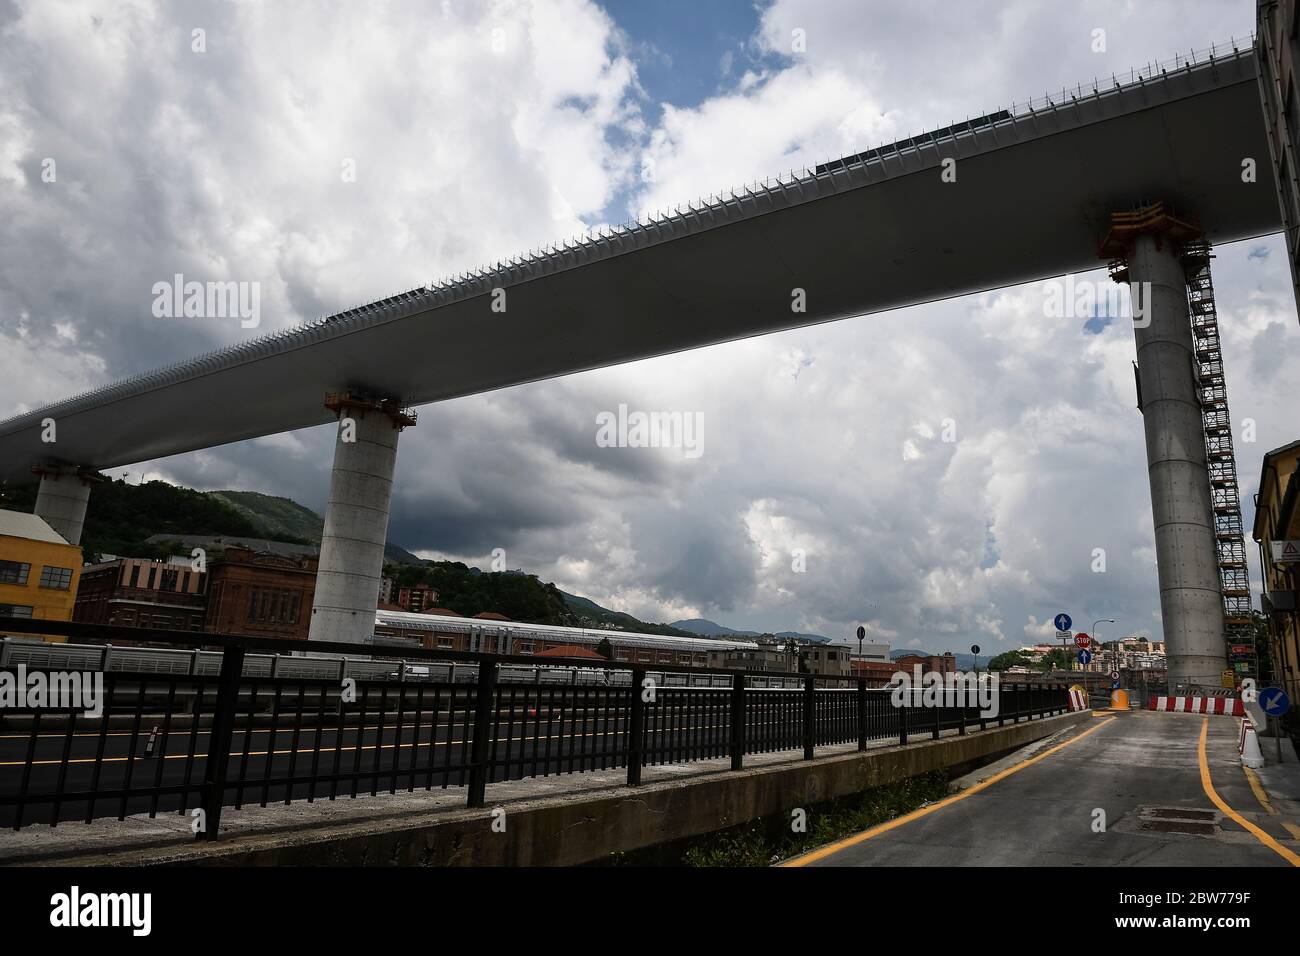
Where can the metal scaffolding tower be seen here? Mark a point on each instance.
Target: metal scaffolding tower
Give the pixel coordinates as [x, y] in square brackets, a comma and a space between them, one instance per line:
[1225, 495]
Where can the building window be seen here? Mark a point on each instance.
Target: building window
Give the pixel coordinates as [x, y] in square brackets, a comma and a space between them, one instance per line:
[445, 643]
[15, 610]
[14, 572]
[60, 579]
[170, 577]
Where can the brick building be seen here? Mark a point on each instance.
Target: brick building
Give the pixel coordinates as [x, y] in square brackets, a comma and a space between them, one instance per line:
[944, 663]
[260, 594]
[142, 592]
[417, 599]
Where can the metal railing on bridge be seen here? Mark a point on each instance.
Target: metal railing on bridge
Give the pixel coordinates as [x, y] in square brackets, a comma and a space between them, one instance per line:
[224, 734]
[195, 661]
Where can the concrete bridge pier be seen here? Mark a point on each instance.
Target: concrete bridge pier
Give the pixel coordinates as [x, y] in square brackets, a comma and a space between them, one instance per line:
[356, 518]
[1191, 600]
[62, 498]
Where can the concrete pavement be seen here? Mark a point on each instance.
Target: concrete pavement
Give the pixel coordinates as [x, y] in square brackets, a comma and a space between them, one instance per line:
[1142, 770]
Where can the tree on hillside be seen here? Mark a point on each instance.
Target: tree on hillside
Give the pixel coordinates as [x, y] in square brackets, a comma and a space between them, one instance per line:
[520, 597]
[1056, 659]
[1011, 659]
[122, 516]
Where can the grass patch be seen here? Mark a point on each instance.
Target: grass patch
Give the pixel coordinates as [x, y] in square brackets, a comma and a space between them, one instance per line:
[764, 842]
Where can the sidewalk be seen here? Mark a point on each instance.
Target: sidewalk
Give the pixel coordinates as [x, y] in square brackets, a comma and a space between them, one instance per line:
[1276, 790]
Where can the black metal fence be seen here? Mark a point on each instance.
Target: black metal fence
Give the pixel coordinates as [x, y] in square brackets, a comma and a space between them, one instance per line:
[193, 744]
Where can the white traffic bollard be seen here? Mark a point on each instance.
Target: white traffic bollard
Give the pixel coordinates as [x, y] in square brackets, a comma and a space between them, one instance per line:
[1251, 756]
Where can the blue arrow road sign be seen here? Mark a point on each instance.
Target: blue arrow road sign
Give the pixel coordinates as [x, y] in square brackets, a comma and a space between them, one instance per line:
[1274, 702]
[1085, 657]
[1063, 621]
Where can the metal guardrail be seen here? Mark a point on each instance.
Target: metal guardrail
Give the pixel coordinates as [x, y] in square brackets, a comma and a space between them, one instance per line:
[197, 742]
[195, 661]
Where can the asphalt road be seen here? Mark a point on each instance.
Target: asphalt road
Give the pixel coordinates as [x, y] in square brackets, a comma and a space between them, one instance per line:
[1142, 769]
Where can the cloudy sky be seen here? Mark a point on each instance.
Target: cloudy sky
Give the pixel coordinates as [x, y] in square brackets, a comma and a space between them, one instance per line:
[480, 129]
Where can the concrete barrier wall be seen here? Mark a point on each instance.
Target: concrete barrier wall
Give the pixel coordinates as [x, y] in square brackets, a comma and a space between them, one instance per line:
[584, 828]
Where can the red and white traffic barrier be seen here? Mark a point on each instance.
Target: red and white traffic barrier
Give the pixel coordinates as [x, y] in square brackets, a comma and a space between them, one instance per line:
[1078, 700]
[1231, 706]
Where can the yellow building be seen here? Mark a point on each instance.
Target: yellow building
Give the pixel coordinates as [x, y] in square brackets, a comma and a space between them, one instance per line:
[39, 571]
[1277, 532]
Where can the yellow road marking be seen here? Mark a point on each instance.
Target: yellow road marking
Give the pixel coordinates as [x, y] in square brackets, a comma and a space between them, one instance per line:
[1256, 785]
[1208, 786]
[1261, 795]
[831, 848]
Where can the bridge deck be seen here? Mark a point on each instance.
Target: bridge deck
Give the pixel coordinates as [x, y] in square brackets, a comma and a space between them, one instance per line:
[878, 232]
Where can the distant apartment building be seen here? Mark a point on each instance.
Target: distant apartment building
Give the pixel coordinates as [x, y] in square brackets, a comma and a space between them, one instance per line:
[945, 663]
[877, 673]
[39, 571]
[260, 594]
[416, 599]
[770, 655]
[142, 592]
[1277, 533]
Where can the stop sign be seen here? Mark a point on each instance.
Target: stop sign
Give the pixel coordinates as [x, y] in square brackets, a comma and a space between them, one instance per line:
[1082, 640]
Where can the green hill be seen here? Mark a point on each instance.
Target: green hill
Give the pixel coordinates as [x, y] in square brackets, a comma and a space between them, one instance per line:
[590, 614]
[282, 518]
[286, 520]
[469, 591]
[121, 516]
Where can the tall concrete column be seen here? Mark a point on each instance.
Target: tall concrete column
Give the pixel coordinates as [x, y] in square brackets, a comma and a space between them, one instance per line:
[1191, 600]
[356, 520]
[62, 498]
